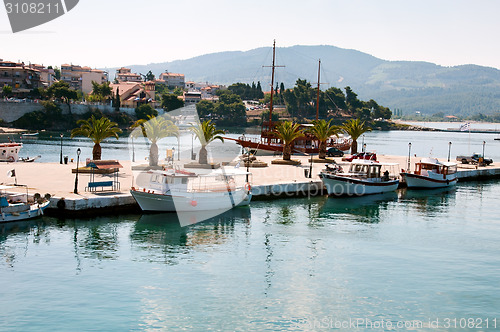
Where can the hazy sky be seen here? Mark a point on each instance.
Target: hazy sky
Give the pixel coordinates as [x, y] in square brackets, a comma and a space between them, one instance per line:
[110, 33]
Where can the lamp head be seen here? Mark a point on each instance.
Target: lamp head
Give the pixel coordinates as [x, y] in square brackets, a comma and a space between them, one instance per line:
[78, 151]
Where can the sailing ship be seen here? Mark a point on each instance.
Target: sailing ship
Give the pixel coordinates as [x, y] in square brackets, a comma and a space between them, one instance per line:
[269, 144]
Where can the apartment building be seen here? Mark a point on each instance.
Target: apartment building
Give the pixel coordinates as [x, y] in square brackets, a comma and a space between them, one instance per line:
[80, 77]
[125, 75]
[20, 77]
[171, 80]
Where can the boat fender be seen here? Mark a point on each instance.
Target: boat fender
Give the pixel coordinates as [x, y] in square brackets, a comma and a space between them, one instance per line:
[447, 182]
[194, 203]
[61, 204]
[248, 187]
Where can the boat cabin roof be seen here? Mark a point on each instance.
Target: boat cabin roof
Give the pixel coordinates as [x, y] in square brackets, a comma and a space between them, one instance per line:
[371, 162]
[434, 161]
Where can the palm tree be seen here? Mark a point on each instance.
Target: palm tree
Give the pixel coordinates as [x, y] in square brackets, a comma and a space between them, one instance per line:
[355, 128]
[206, 133]
[97, 130]
[155, 129]
[322, 130]
[288, 132]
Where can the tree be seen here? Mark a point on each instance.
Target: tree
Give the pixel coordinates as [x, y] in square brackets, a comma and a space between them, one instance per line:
[7, 90]
[288, 132]
[57, 73]
[101, 91]
[206, 133]
[61, 90]
[259, 92]
[170, 102]
[355, 128]
[205, 109]
[144, 111]
[150, 76]
[155, 129]
[117, 101]
[299, 100]
[97, 130]
[351, 100]
[322, 131]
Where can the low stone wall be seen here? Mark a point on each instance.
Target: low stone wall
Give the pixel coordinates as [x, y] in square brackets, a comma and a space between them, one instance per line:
[478, 174]
[10, 111]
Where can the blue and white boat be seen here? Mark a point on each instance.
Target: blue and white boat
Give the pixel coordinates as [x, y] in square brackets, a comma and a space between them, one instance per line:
[16, 206]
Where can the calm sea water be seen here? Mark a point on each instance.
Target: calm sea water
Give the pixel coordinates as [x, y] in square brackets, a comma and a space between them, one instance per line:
[412, 260]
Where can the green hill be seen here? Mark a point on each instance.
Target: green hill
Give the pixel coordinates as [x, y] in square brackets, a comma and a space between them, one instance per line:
[407, 85]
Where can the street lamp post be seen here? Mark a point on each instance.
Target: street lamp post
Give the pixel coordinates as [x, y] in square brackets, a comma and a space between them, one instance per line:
[61, 159]
[173, 154]
[133, 150]
[449, 151]
[409, 157]
[311, 166]
[192, 146]
[78, 151]
[178, 148]
[484, 143]
[363, 143]
[364, 147]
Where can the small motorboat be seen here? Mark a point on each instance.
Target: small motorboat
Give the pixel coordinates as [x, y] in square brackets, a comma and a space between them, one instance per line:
[29, 136]
[363, 178]
[431, 173]
[16, 206]
[183, 191]
[28, 159]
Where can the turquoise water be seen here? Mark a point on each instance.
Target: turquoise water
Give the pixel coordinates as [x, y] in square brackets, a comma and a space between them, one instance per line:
[288, 265]
[427, 259]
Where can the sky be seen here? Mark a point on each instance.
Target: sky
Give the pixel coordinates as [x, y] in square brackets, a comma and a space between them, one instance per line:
[115, 33]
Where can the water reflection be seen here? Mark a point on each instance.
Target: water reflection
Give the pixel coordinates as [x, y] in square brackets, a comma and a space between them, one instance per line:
[364, 208]
[163, 237]
[428, 201]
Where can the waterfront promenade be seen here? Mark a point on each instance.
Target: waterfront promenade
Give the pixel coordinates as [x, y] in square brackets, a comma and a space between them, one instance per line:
[267, 182]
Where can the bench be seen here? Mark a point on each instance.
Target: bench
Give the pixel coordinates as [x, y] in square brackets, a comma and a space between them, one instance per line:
[92, 186]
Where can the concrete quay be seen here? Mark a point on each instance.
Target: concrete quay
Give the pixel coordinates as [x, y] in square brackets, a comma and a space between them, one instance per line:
[267, 183]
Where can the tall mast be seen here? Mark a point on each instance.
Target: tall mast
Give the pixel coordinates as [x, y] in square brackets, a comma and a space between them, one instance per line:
[317, 92]
[272, 86]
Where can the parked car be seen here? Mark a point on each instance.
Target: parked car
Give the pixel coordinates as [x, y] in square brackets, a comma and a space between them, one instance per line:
[476, 158]
[362, 155]
[334, 152]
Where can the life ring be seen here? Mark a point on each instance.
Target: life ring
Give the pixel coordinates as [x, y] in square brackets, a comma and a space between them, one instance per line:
[248, 187]
[10, 159]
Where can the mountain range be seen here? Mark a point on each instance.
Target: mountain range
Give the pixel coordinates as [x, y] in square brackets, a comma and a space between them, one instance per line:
[406, 85]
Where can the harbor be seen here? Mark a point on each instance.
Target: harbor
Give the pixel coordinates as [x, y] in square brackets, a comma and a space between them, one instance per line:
[271, 182]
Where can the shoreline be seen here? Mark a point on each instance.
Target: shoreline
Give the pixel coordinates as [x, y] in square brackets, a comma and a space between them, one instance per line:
[272, 182]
